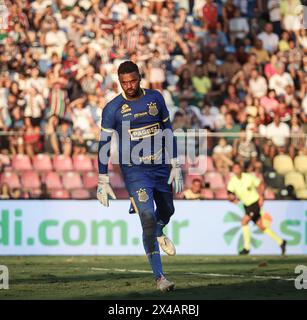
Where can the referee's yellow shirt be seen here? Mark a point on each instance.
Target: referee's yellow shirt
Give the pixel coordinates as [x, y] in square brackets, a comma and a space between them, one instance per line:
[245, 188]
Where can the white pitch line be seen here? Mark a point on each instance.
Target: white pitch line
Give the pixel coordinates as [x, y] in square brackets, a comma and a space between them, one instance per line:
[216, 275]
[121, 270]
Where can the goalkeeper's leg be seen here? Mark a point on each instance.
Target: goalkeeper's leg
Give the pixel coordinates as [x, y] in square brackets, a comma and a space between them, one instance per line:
[165, 209]
[150, 242]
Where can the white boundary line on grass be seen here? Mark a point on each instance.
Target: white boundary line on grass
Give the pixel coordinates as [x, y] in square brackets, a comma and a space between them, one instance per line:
[217, 275]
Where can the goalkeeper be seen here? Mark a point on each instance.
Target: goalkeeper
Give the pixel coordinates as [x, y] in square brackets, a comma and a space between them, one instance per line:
[140, 121]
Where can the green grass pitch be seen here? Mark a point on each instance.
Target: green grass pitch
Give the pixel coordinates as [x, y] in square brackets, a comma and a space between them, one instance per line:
[196, 277]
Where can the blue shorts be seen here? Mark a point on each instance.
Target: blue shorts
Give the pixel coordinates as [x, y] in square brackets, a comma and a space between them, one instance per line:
[146, 185]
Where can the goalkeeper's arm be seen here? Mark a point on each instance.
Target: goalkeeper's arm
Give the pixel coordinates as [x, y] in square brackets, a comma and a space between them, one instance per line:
[104, 189]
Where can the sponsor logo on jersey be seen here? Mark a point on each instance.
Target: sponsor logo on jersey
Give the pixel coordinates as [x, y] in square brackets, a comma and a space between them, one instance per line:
[144, 132]
[151, 157]
[140, 114]
[125, 108]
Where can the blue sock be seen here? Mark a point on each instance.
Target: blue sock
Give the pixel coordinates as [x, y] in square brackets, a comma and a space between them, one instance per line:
[160, 226]
[153, 256]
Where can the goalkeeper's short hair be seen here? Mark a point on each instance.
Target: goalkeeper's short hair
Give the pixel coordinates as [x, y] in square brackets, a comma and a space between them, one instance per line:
[128, 67]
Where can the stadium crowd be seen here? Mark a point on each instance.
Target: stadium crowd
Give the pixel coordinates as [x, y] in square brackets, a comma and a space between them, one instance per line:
[233, 67]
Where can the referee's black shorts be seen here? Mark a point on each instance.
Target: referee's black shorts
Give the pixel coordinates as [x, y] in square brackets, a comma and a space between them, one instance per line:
[253, 211]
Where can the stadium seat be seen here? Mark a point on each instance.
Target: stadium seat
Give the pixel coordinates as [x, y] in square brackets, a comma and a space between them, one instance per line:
[227, 177]
[274, 180]
[4, 160]
[62, 163]
[283, 164]
[300, 164]
[72, 180]
[42, 162]
[90, 180]
[52, 180]
[21, 162]
[207, 194]
[301, 194]
[266, 162]
[30, 180]
[95, 164]
[215, 180]
[185, 165]
[110, 165]
[269, 194]
[11, 179]
[116, 180]
[59, 194]
[80, 194]
[35, 193]
[296, 179]
[221, 194]
[189, 178]
[121, 193]
[202, 164]
[82, 163]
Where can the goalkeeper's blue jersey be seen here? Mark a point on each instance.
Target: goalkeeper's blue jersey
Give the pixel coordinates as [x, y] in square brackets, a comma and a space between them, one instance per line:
[140, 126]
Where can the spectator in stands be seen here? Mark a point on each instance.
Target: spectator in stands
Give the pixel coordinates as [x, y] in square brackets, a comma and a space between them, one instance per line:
[269, 39]
[157, 71]
[269, 102]
[32, 138]
[238, 27]
[297, 137]
[201, 83]
[261, 54]
[271, 67]
[64, 133]
[280, 80]
[278, 133]
[78, 142]
[193, 193]
[257, 85]
[275, 15]
[210, 15]
[245, 151]
[230, 128]
[228, 13]
[222, 155]
[283, 44]
[57, 54]
[51, 140]
[55, 39]
[290, 10]
[5, 191]
[208, 119]
[35, 105]
[18, 194]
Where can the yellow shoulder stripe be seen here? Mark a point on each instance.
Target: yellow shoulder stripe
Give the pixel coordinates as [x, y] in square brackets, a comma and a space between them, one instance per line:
[107, 130]
[165, 119]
